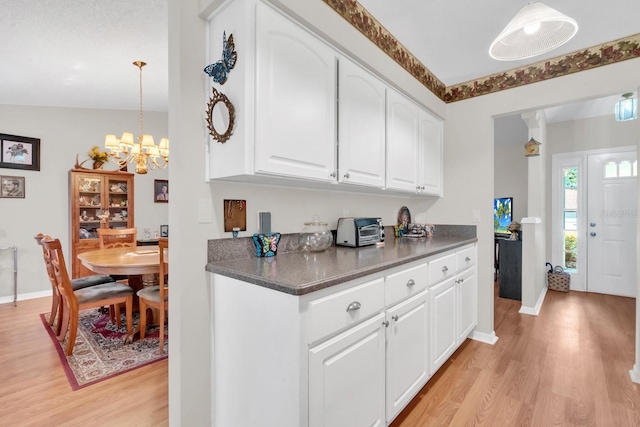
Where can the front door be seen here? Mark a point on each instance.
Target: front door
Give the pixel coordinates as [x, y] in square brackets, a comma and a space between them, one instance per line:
[611, 223]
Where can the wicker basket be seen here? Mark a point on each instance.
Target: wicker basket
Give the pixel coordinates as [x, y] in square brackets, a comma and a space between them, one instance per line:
[558, 280]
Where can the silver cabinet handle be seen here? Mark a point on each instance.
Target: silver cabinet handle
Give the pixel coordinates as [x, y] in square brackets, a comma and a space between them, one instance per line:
[333, 174]
[347, 176]
[592, 234]
[354, 306]
[411, 282]
[395, 318]
[445, 269]
[418, 188]
[592, 224]
[467, 259]
[422, 188]
[461, 280]
[385, 323]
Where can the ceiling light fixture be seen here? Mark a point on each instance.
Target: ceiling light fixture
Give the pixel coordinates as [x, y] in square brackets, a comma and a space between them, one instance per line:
[627, 108]
[144, 153]
[536, 29]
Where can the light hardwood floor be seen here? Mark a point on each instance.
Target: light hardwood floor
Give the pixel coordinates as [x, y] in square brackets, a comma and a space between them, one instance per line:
[567, 367]
[34, 390]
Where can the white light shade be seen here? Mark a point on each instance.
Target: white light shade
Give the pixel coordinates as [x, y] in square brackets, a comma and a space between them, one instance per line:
[627, 108]
[536, 29]
[147, 141]
[136, 149]
[127, 139]
[153, 151]
[164, 144]
[111, 142]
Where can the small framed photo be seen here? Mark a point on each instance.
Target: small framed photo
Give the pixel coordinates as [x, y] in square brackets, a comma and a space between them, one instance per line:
[164, 231]
[161, 190]
[19, 152]
[12, 187]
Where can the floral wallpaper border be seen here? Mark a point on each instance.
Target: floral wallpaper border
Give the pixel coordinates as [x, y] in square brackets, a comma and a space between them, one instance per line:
[593, 57]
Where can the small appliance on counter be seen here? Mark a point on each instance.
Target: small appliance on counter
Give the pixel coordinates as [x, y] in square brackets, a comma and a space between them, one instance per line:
[357, 232]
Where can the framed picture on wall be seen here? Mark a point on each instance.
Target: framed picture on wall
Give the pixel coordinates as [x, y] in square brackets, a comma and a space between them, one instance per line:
[19, 152]
[161, 190]
[12, 187]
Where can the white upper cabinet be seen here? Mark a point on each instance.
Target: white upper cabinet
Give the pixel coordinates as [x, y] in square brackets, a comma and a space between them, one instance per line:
[430, 157]
[306, 115]
[361, 124]
[402, 142]
[295, 100]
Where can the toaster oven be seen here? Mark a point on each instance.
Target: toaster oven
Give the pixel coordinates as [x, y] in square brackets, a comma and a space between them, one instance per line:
[356, 232]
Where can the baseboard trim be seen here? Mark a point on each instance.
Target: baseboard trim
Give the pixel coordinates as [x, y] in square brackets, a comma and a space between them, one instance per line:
[484, 337]
[635, 374]
[534, 311]
[22, 297]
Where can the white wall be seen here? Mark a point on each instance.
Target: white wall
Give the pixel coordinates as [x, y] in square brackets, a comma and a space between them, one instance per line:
[510, 163]
[468, 177]
[63, 133]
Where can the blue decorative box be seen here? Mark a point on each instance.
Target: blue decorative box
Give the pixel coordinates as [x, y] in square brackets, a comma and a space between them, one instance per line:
[266, 244]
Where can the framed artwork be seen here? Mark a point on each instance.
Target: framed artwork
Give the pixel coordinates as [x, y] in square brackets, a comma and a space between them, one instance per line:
[12, 187]
[164, 231]
[161, 190]
[235, 215]
[19, 152]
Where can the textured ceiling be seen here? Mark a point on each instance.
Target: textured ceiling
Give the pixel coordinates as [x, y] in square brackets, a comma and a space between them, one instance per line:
[79, 53]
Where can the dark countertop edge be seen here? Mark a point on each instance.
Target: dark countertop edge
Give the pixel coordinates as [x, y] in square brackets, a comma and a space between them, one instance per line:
[326, 283]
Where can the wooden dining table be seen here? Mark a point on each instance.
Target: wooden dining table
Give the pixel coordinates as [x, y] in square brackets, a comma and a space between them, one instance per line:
[143, 260]
[134, 262]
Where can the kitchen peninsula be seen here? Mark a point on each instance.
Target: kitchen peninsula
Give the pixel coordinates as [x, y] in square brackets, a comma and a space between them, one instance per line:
[347, 336]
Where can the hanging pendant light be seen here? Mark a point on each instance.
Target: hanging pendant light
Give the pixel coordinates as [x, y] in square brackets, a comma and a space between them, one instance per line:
[536, 29]
[144, 153]
[627, 108]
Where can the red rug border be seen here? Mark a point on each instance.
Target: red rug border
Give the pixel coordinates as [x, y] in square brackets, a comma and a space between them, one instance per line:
[69, 372]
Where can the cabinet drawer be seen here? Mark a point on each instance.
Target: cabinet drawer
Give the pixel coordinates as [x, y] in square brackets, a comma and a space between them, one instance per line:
[345, 308]
[404, 284]
[442, 268]
[466, 258]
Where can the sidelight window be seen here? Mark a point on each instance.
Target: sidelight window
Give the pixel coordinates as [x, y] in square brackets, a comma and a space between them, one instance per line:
[570, 217]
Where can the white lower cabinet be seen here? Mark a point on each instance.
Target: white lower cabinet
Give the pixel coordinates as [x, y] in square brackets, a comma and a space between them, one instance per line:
[443, 329]
[346, 378]
[407, 352]
[351, 355]
[467, 303]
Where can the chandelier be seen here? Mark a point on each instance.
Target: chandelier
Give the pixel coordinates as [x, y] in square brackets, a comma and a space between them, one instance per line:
[536, 29]
[144, 153]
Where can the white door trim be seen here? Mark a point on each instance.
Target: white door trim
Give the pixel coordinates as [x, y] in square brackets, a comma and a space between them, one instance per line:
[558, 162]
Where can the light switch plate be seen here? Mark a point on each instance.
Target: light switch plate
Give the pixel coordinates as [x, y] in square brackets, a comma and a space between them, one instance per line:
[476, 215]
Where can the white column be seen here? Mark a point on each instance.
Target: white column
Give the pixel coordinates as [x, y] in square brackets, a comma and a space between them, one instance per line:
[635, 372]
[533, 225]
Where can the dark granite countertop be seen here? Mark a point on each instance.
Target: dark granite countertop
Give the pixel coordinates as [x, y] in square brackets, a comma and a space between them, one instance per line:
[300, 272]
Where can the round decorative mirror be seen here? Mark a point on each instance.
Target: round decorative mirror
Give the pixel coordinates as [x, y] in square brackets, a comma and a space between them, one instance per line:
[221, 116]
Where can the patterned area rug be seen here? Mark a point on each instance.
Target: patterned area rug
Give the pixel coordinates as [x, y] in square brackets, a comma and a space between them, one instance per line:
[100, 352]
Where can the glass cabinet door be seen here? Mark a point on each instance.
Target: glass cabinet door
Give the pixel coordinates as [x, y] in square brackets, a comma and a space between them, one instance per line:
[89, 206]
[118, 203]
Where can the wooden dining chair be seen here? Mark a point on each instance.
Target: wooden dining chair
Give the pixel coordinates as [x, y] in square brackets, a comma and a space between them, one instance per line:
[79, 283]
[156, 296]
[92, 297]
[118, 237]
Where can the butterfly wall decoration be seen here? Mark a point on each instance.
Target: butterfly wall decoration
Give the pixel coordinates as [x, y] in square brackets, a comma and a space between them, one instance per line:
[220, 69]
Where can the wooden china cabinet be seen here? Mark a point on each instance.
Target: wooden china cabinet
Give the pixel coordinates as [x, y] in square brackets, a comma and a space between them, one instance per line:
[98, 199]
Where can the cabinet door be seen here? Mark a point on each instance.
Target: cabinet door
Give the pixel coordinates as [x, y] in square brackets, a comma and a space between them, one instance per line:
[443, 329]
[119, 193]
[430, 157]
[467, 305]
[407, 352]
[295, 130]
[361, 139]
[402, 142]
[346, 378]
